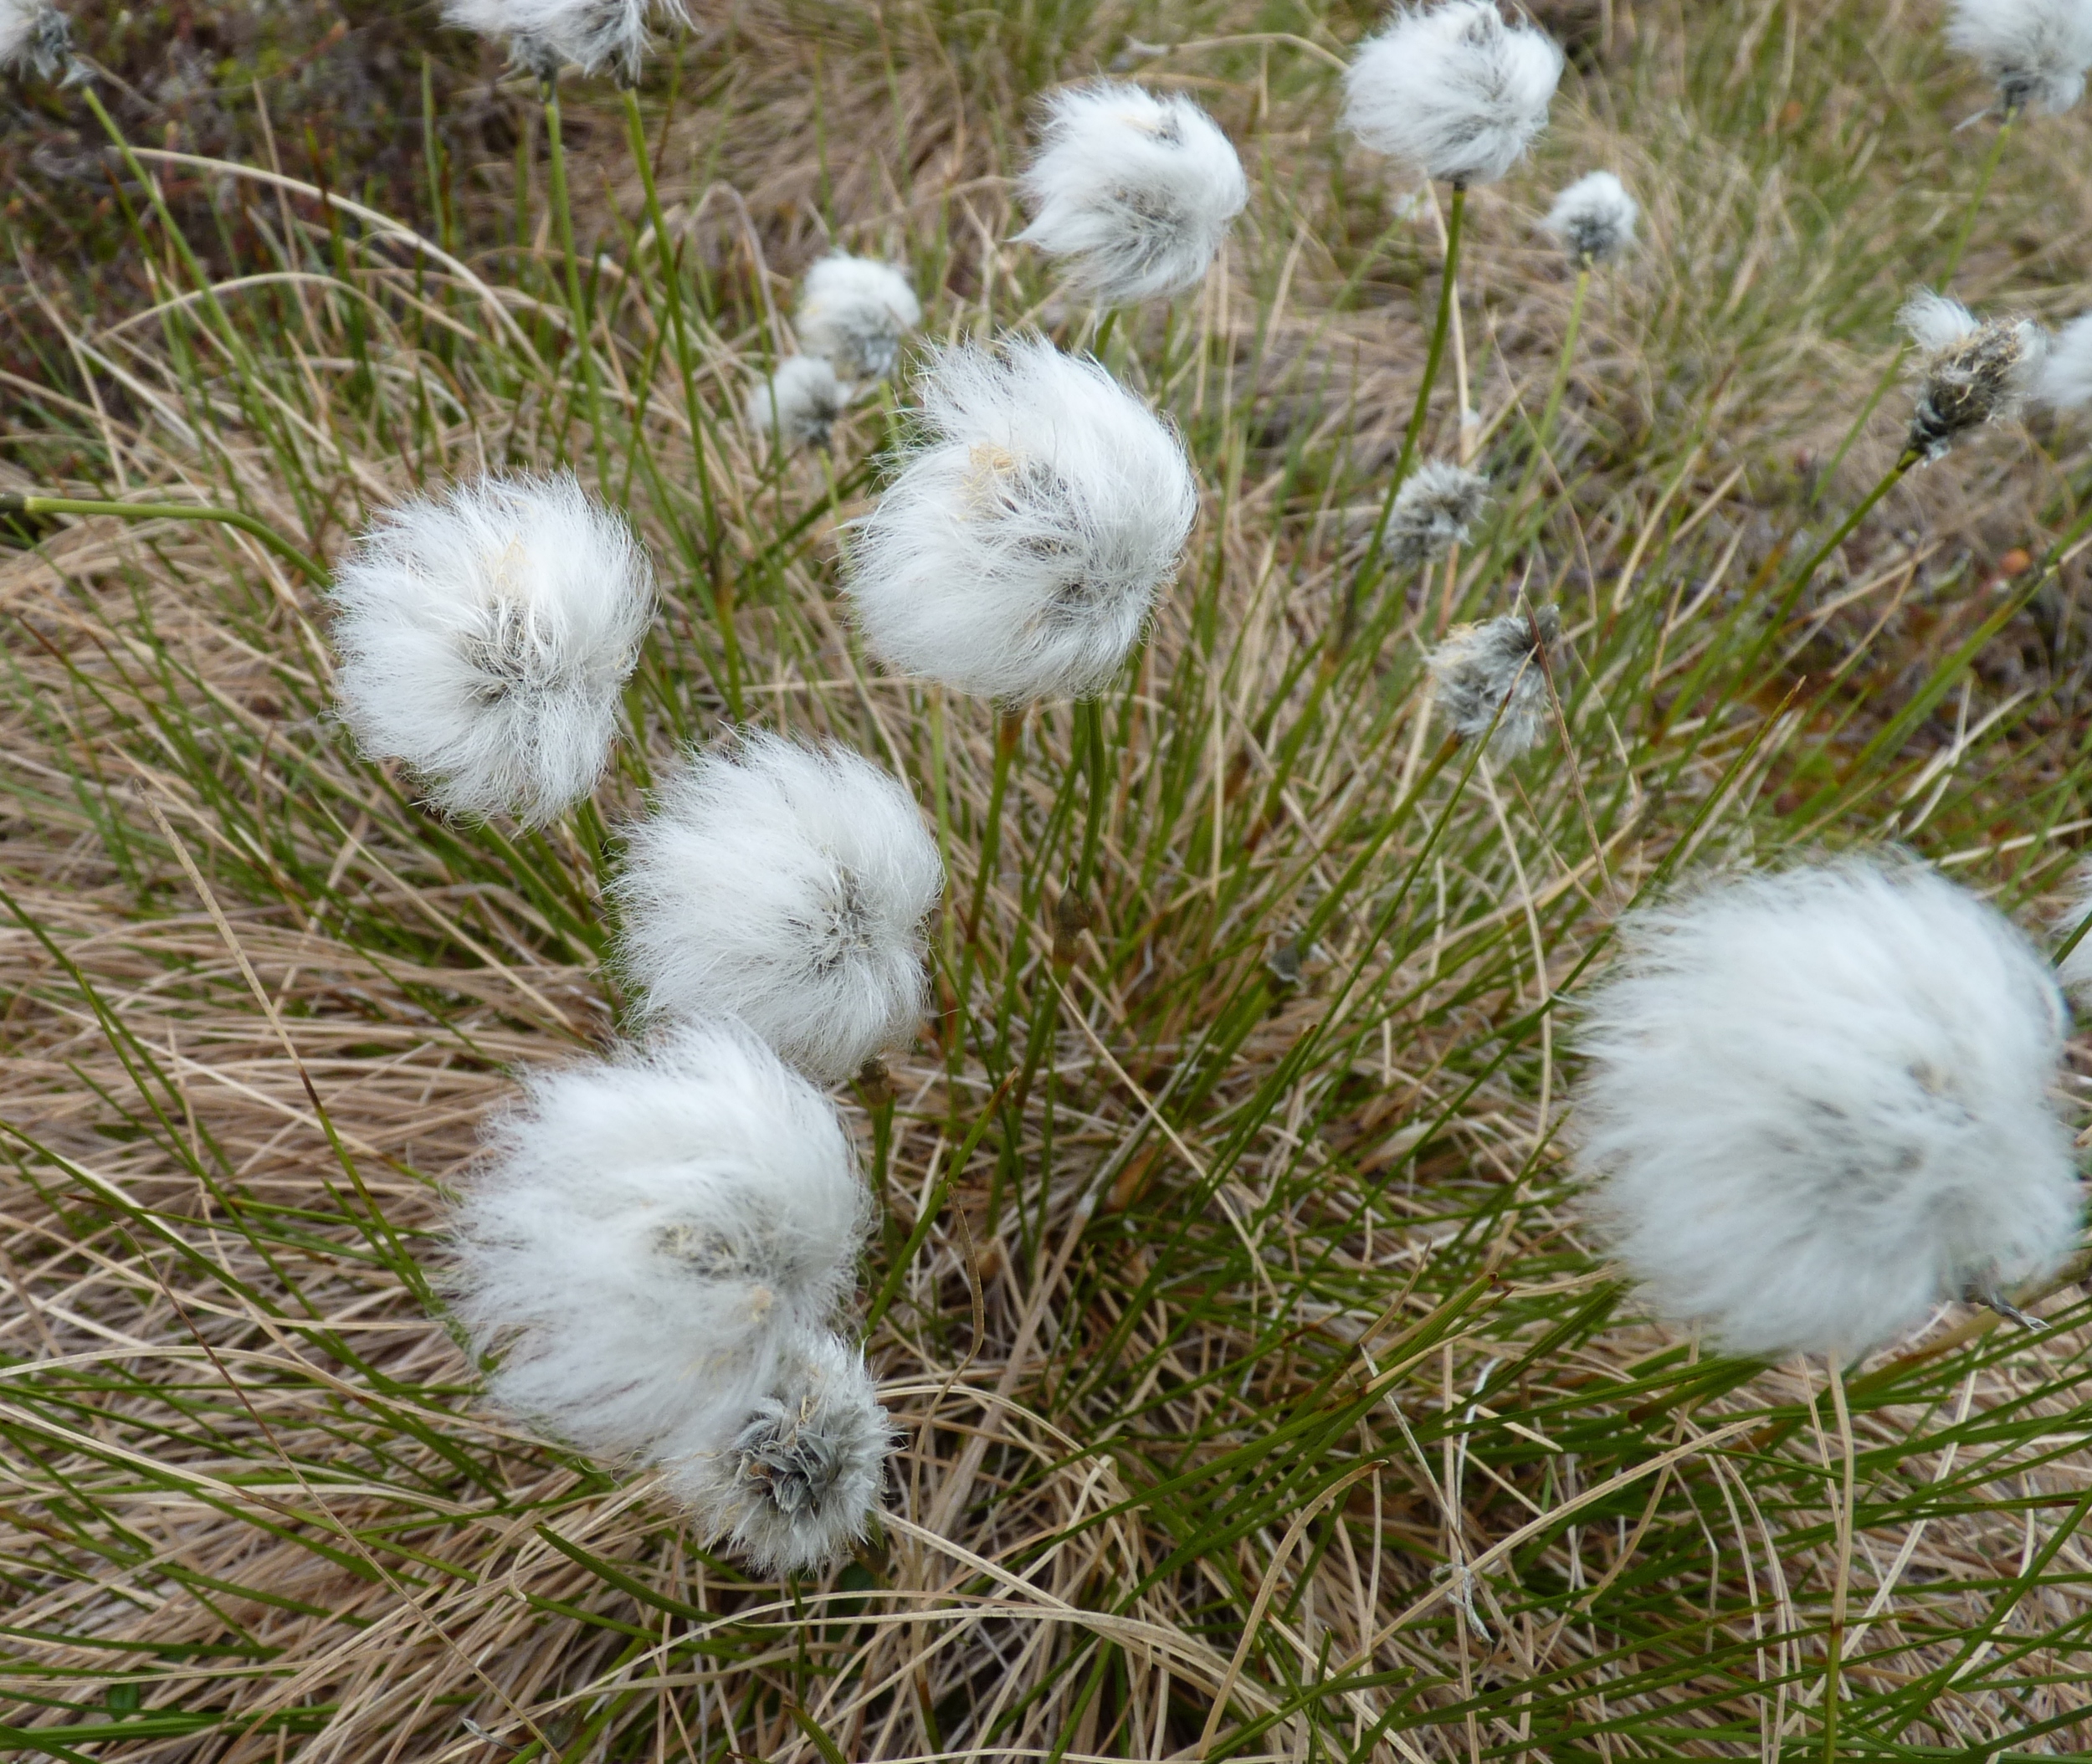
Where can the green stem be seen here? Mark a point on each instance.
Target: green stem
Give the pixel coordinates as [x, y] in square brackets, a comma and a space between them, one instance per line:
[17, 503]
[1561, 386]
[1089, 721]
[563, 214]
[1889, 479]
[1009, 732]
[1366, 577]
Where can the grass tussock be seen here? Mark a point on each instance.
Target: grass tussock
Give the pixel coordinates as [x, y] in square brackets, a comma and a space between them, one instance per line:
[1262, 1393]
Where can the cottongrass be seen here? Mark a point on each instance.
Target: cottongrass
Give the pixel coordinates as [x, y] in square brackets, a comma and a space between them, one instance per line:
[799, 1482]
[650, 1238]
[1136, 192]
[2036, 51]
[798, 405]
[36, 40]
[1033, 523]
[544, 35]
[2064, 380]
[785, 886]
[1489, 681]
[1433, 509]
[1594, 218]
[854, 313]
[485, 639]
[1819, 1105]
[1452, 89]
[1974, 370]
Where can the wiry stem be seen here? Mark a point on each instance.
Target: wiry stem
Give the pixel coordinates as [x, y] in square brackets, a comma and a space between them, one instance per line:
[14, 502]
[1841, 1587]
[563, 213]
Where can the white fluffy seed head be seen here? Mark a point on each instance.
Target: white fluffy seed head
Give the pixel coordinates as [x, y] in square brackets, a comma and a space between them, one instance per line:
[801, 1479]
[854, 313]
[1594, 218]
[484, 637]
[2037, 51]
[651, 1235]
[1035, 520]
[1973, 371]
[36, 40]
[2065, 378]
[1489, 681]
[1818, 1103]
[1136, 192]
[545, 35]
[1452, 89]
[1433, 509]
[798, 405]
[787, 888]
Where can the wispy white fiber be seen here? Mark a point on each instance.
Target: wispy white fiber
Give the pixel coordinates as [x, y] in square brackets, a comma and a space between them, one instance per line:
[484, 638]
[1037, 517]
[1452, 89]
[1437, 504]
[36, 39]
[1818, 1104]
[1973, 372]
[544, 35]
[802, 1478]
[786, 887]
[2065, 378]
[650, 1237]
[2037, 51]
[854, 313]
[1489, 679]
[1594, 218]
[798, 405]
[1136, 192]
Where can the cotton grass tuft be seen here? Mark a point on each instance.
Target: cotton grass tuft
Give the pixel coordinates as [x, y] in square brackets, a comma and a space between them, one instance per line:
[1974, 370]
[1818, 1104]
[2036, 51]
[2064, 380]
[650, 1237]
[854, 313]
[1433, 509]
[799, 1482]
[1489, 681]
[544, 35]
[785, 886]
[485, 639]
[1034, 521]
[1136, 192]
[1594, 218]
[798, 405]
[1452, 89]
[36, 41]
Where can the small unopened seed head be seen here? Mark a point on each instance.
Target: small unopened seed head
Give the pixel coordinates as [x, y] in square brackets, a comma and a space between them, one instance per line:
[1594, 218]
[2037, 51]
[1434, 507]
[1452, 89]
[798, 405]
[1974, 371]
[800, 1481]
[485, 639]
[36, 41]
[1136, 192]
[1491, 680]
[854, 313]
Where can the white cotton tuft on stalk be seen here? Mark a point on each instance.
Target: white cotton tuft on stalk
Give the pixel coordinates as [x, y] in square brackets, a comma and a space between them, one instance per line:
[1489, 681]
[485, 639]
[854, 313]
[1974, 370]
[1452, 89]
[1818, 1103]
[799, 1482]
[2036, 51]
[651, 1237]
[2064, 380]
[1035, 520]
[1136, 192]
[1594, 218]
[1433, 509]
[786, 887]
[798, 405]
[36, 40]
[545, 35]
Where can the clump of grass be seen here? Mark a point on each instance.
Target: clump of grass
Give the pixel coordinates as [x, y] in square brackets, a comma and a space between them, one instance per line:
[1260, 1393]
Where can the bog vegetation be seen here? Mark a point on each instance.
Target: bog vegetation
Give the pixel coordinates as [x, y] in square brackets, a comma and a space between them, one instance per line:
[1262, 1379]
